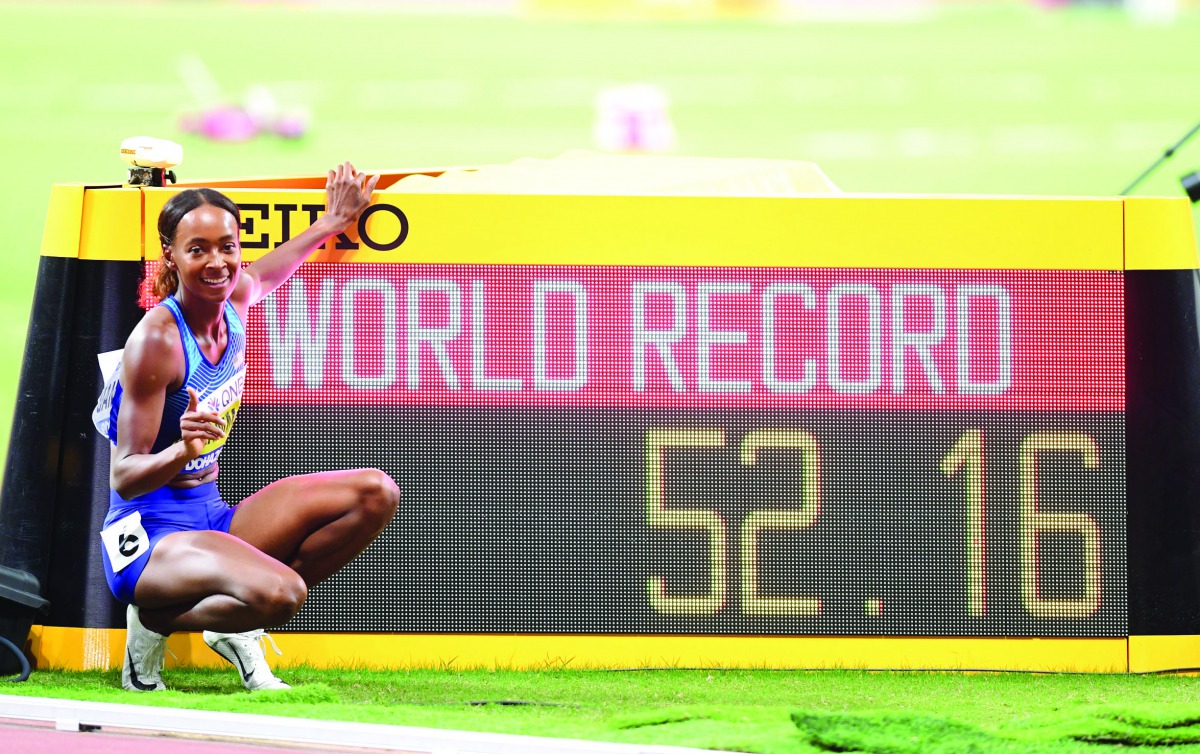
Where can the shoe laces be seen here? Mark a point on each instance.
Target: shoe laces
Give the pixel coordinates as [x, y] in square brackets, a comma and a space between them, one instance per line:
[155, 657]
[263, 638]
[252, 645]
[266, 638]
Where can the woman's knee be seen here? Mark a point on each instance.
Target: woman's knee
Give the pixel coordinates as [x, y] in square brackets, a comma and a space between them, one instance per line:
[277, 597]
[378, 496]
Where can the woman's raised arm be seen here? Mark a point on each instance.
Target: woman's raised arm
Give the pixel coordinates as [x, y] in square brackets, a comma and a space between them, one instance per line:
[347, 194]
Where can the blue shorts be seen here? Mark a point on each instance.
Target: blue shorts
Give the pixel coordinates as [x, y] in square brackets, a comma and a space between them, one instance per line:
[163, 511]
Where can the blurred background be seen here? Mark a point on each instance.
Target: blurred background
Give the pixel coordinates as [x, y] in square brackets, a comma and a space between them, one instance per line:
[895, 96]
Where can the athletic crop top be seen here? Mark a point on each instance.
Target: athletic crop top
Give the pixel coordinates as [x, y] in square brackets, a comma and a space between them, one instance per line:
[219, 387]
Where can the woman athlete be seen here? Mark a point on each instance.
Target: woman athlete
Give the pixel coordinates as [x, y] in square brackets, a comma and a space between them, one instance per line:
[179, 556]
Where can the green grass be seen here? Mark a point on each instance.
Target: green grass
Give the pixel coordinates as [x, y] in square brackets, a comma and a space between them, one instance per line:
[980, 98]
[739, 710]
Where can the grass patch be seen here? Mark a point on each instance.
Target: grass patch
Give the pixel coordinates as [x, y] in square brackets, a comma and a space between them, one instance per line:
[759, 711]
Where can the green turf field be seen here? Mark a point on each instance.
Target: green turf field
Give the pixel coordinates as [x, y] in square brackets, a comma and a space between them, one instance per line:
[980, 98]
[765, 712]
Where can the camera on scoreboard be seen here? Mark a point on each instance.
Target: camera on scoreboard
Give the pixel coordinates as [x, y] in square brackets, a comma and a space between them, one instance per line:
[148, 152]
[150, 160]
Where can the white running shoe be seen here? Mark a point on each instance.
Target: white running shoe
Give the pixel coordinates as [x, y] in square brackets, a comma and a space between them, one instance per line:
[145, 652]
[244, 651]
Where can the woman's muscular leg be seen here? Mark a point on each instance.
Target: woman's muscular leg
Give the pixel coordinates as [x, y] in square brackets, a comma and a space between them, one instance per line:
[317, 523]
[199, 580]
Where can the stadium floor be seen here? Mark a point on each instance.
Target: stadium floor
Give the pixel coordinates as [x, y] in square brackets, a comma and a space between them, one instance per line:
[57, 726]
[44, 738]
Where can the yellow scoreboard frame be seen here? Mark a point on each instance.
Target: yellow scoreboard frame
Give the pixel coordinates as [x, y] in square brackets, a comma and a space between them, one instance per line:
[1144, 239]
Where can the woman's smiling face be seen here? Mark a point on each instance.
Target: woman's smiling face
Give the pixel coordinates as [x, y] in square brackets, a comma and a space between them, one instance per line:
[206, 252]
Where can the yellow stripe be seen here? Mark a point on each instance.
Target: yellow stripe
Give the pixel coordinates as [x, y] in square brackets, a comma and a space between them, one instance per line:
[111, 228]
[63, 220]
[1159, 235]
[1148, 654]
[837, 231]
[96, 649]
[819, 231]
[828, 231]
[747, 232]
[76, 648]
[153, 200]
[61, 647]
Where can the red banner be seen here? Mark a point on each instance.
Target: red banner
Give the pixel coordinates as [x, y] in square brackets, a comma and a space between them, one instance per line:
[691, 337]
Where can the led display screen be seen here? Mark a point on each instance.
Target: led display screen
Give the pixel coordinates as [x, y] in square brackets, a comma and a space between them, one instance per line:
[706, 450]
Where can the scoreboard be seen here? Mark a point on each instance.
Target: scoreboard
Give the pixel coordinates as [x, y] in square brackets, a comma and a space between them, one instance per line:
[727, 419]
[707, 450]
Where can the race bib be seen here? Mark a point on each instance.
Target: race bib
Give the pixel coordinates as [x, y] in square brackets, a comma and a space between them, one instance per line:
[110, 370]
[125, 540]
[224, 400]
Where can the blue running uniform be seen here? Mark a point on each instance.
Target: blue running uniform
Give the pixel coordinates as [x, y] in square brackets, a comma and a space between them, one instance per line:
[133, 527]
[159, 513]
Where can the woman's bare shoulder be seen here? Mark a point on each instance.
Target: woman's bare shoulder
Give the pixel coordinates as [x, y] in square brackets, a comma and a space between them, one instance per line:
[154, 343]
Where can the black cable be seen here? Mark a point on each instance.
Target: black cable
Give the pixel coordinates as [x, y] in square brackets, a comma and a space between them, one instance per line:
[20, 657]
[1166, 156]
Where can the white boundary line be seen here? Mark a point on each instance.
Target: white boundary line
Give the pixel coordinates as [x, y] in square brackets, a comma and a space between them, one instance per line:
[75, 715]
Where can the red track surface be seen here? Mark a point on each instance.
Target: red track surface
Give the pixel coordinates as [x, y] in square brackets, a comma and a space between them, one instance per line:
[42, 738]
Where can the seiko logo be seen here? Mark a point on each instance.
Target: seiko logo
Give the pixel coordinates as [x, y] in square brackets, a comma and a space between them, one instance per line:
[254, 237]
